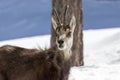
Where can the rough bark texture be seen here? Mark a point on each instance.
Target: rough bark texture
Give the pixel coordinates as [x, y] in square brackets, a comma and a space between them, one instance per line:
[75, 7]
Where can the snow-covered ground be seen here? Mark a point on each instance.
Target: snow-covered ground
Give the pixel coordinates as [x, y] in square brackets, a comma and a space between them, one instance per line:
[101, 53]
[101, 56]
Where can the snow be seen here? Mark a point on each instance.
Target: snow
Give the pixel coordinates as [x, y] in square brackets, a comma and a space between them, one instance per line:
[101, 56]
[29, 42]
[101, 53]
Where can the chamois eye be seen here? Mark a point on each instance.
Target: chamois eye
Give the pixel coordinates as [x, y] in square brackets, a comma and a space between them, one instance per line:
[68, 34]
[58, 29]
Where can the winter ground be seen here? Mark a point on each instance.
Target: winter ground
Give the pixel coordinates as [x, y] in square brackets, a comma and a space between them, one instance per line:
[101, 53]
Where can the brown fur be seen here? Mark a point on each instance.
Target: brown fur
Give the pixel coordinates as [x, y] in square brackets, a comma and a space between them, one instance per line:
[31, 64]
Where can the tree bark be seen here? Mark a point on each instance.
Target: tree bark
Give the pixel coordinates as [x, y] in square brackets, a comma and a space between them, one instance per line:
[75, 7]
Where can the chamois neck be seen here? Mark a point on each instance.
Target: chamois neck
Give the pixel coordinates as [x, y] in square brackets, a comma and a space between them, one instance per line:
[67, 54]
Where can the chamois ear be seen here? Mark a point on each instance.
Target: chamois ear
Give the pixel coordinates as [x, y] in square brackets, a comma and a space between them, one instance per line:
[72, 23]
[54, 24]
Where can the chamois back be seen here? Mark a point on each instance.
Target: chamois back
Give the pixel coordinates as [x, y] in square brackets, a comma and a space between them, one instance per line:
[18, 63]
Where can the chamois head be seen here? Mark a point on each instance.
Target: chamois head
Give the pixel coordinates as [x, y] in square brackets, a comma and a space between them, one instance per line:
[64, 33]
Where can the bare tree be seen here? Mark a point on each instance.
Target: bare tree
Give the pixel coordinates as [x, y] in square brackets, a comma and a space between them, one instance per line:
[75, 8]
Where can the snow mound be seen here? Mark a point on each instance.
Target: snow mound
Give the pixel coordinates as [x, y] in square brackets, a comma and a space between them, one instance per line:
[29, 42]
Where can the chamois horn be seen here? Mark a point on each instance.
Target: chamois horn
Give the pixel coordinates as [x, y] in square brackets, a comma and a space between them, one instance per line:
[57, 17]
[65, 13]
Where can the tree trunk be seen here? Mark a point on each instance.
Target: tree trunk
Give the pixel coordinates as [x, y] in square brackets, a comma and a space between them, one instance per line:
[75, 7]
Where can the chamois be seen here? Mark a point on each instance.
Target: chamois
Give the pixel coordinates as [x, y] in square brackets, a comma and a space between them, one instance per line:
[18, 63]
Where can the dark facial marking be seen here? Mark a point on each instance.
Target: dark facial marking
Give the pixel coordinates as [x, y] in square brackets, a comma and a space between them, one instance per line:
[63, 30]
[68, 34]
[57, 31]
